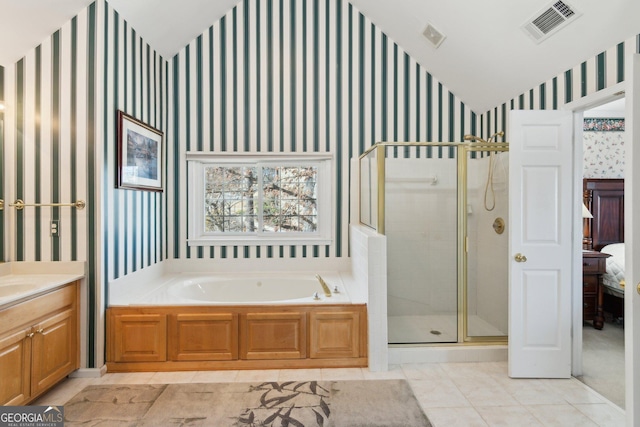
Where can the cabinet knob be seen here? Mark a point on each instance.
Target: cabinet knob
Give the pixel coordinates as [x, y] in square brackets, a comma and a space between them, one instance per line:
[39, 331]
[30, 334]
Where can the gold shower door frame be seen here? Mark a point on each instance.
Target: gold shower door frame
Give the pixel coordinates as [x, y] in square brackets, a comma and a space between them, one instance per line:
[463, 150]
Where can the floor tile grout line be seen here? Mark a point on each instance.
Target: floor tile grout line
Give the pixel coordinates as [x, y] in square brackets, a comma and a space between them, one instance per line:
[442, 370]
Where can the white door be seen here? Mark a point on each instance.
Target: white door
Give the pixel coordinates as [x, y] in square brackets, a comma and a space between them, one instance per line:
[632, 239]
[541, 242]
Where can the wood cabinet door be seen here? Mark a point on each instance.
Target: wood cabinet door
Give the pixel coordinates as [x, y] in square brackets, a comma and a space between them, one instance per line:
[138, 338]
[203, 336]
[54, 350]
[334, 334]
[273, 336]
[15, 368]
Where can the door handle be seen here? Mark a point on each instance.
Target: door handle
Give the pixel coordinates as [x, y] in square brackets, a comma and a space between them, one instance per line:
[520, 258]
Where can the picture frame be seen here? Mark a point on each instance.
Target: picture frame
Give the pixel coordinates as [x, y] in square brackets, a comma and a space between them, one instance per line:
[140, 153]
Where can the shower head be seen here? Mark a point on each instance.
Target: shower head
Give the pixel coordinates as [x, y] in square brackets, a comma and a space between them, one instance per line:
[492, 137]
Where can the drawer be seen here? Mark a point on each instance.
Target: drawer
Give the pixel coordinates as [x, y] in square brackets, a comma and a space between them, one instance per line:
[594, 265]
[589, 284]
[589, 306]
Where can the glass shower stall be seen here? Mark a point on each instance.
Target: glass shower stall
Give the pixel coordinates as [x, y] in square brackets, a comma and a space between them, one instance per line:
[443, 209]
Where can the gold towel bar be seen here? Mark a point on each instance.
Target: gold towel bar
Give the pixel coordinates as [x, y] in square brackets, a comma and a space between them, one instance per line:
[20, 204]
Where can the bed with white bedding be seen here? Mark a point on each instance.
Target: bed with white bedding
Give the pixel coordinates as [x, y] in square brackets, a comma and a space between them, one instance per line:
[613, 279]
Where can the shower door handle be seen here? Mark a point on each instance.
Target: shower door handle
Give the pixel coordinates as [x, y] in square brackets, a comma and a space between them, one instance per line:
[520, 258]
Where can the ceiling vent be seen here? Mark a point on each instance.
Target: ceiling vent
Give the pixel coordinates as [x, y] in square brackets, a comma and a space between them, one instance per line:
[549, 20]
[434, 36]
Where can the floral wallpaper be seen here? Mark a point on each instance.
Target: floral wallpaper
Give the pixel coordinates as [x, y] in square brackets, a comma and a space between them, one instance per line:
[603, 154]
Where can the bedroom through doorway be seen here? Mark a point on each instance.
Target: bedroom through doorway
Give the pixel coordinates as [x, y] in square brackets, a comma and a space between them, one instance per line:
[603, 359]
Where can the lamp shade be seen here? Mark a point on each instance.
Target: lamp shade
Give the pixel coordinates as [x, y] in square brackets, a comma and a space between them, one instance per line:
[585, 212]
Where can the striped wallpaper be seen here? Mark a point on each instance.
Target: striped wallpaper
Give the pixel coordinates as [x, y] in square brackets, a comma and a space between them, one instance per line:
[134, 80]
[599, 72]
[298, 76]
[60, 146]
[270, 76]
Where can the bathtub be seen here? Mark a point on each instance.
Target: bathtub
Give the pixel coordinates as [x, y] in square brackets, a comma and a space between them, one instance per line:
[195, 321]
[247, 290]
[239, 289]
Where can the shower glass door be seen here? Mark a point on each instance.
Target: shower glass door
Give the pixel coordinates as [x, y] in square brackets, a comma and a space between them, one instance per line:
[486, 296]
[422, 242]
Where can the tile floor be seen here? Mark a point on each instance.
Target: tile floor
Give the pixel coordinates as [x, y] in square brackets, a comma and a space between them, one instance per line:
[451, 394]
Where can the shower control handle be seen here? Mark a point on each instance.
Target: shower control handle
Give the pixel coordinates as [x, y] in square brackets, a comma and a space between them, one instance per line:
[520, 258]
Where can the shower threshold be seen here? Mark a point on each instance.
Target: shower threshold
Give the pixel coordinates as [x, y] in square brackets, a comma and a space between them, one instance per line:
[434, 328]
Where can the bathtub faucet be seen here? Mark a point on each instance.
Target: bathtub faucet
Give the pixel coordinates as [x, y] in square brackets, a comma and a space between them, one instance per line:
[325, 288]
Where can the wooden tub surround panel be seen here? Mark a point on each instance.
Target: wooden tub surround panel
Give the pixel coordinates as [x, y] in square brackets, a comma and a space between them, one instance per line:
[140, 337]
[175, 338]
[203, 336]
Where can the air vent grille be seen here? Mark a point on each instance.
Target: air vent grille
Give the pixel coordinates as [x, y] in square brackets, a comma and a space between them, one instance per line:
[434, 36]
[563, 9]
[549, 20]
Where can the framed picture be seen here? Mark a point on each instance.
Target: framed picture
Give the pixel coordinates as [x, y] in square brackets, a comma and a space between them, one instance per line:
[139, 164]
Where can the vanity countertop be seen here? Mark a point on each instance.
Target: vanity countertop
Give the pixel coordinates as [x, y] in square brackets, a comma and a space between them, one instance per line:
[21, 281]
[18, 287]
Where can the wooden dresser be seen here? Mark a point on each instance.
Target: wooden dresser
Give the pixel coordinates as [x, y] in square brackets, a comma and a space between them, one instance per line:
[593, 267]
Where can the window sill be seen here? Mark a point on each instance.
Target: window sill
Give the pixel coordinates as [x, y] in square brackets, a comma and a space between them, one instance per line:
[252, 241]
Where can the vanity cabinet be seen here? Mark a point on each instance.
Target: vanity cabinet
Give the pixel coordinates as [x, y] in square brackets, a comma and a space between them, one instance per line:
[39, 344]
[244, 337]
[15, 367]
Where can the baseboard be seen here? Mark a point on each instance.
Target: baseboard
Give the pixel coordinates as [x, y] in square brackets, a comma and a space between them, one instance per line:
[89, 372]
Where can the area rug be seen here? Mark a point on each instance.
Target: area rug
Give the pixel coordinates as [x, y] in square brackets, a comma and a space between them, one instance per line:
[387, 403]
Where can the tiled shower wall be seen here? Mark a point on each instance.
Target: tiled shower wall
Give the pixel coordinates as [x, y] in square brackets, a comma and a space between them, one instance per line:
[488, 251]
[421, 230]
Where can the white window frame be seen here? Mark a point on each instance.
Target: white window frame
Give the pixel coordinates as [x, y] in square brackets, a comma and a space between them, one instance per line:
[197, 236]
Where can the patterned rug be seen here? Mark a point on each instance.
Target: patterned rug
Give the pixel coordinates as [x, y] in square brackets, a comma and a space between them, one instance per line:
[385, 403]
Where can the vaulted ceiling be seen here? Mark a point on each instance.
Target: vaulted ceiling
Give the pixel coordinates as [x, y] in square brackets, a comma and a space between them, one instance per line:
[485, 59]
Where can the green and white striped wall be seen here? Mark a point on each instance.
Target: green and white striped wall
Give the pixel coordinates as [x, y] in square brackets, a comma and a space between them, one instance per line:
[60, 146]
[134, 80]
[270, 76]
[298, 76]
[599, 72]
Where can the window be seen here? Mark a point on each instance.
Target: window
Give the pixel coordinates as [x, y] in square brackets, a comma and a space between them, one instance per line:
[251, 199]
